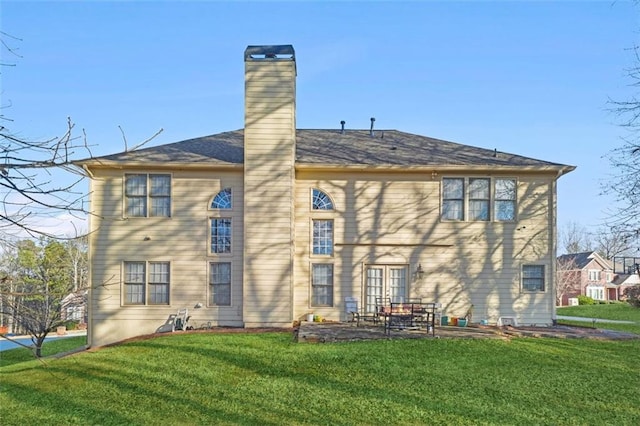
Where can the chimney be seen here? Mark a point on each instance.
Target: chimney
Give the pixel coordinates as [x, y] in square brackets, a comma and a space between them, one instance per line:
[269, 177]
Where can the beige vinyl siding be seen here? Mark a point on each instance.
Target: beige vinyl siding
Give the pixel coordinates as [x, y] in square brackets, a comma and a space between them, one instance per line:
[183, 240]
[395, 219]
[268, 182]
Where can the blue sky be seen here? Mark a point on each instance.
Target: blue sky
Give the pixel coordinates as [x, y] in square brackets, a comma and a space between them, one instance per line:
[531, 78]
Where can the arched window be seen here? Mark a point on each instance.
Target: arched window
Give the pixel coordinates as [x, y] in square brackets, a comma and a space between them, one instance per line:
[321, 201]
[222, 200]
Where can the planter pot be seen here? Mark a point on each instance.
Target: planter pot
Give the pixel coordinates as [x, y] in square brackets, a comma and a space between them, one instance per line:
[61, 331]
[310, 318]
[4, 329]
[462, 322]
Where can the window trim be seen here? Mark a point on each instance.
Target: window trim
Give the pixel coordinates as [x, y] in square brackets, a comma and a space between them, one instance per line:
[326, 194]
[523, 278]
[466, 199]
[595, 272]
[210, 236]
[332, 286]
[494, 200]
[333, 232]
[222, 209]
[443, 199]
[210, 284]
[148, 197]
[145, 284]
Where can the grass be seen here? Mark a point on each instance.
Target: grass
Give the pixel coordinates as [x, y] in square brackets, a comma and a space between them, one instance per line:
[613, 311]
[266, 379]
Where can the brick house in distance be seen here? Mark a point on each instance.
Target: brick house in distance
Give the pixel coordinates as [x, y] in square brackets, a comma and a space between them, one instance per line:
[591, 275]
[258, 227]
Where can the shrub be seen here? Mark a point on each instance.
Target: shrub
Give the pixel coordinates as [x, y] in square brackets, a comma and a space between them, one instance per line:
[71, 325]
[632, 294]
[585, 300]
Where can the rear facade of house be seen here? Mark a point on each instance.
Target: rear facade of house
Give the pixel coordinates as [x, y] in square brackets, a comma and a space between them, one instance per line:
[261, 226]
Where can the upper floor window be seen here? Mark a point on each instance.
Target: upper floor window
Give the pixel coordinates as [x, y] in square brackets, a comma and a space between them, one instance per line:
[505, 199]
[473, 199]
[323, 237]
[148, 195]
[453, 198]
[222, 200]
[221, 235]
[479, 199]
[146, 283]
[533, 277]
[594, 275]
[321, 201]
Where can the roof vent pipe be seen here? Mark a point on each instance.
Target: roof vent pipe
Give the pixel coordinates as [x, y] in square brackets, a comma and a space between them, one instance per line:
[342, 123]
[371, 130]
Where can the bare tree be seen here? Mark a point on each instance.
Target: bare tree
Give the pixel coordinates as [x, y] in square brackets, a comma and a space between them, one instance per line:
[28, 188]
[613, 241]
[575, 238]
[624, 181]
[568, 278]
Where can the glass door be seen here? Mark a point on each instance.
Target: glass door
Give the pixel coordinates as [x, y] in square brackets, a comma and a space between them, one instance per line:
[387, 281]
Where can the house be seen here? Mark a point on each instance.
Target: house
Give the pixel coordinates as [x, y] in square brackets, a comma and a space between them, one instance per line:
[261, 226]
[587, 274]
[74, 307]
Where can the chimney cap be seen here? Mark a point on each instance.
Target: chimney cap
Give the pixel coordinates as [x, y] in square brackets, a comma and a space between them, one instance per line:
[278, 52]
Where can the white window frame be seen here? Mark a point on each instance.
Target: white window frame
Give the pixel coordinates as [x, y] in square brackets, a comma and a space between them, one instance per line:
[223, 251]
[524, 278]
[211, 300]
[594, 275]
[596, 292]
[316, 287]
[146, 281]
[464, 203]
[325, 197]
[147, 197]
[223, 195]
[330, 242]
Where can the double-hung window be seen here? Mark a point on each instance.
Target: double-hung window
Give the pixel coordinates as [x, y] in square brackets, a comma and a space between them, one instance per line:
[453, 199]
[505, 199]
[533, 278]
[220, 283]
[147, 195]
[478, 199]
[146, 283]
[322, 284]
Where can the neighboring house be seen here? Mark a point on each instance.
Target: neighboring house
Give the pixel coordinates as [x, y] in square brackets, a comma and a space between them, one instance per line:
[261, 226]
[587, 274]
[74, 307]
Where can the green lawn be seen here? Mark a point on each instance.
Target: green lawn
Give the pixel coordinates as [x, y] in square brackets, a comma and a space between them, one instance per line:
[266, 379]
[614, 311]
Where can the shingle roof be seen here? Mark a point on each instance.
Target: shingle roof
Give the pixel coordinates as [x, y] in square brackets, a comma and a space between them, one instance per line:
[334, 148]
[581, 260]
